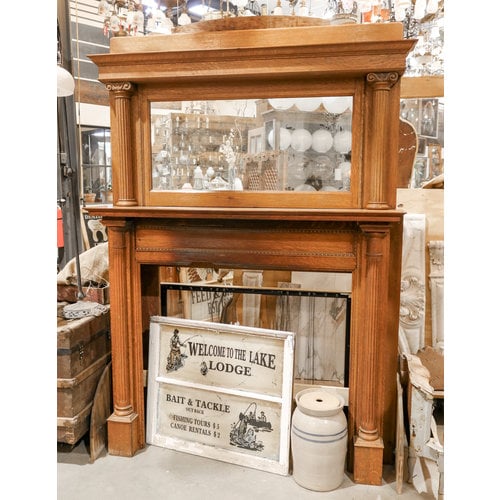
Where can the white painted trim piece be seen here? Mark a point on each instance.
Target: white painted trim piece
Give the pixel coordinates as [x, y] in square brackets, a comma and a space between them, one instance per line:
[413, 278]
[436, 284]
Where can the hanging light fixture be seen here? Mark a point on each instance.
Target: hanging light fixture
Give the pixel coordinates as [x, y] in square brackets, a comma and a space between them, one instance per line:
[184, 18]
[139, 17]
[159, 22]
[303, 10]
[240, 6]
[122, 17]
[65, 82]
[278, 10]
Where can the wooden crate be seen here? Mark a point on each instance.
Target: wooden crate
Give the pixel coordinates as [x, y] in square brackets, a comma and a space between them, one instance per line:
[83, 351]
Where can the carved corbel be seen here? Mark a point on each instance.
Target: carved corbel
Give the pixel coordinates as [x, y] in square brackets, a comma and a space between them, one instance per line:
[121, 94]
[381, 148]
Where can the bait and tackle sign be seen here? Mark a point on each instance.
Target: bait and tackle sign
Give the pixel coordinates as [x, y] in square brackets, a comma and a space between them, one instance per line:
[221, 391]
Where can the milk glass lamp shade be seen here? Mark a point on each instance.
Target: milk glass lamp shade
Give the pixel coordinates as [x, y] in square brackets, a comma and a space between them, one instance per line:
[337, 105]
[285, 138]
[342, 141]
[278, 10]
[184, 19]
[281, 104]
[308, 104]
[301, 139]
[322, 140]
[65, 83]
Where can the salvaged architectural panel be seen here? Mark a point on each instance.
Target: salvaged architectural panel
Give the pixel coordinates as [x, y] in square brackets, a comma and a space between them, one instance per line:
[436, 284]
[412, 308]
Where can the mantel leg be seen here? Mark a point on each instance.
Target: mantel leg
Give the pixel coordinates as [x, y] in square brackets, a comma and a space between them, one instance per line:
[368, 397]
[123, 424]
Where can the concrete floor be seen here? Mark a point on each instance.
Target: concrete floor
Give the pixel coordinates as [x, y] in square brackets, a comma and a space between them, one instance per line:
[158, 473]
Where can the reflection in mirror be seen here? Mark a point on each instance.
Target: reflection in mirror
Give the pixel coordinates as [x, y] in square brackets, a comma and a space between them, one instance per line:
[426, 115]
[315, 306]
[300, 144]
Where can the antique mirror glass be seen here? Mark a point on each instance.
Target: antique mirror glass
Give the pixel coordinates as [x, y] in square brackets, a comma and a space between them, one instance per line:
[299, 144]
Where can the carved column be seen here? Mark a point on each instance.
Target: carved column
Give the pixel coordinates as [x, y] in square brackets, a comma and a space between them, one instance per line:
[123, 435]
[436, 283]
[381, 146]
[121, 143]
[368, 444]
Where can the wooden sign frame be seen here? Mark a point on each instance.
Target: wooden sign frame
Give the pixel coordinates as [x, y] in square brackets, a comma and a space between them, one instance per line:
[221, 391]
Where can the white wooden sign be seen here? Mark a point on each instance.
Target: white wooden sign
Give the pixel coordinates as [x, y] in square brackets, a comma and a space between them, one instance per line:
[221, 391]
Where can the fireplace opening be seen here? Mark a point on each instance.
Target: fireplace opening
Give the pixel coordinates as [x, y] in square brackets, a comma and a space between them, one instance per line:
[316, 306]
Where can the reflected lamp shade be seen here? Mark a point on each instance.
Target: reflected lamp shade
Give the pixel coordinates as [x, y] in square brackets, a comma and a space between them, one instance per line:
[285, 138]
[342, 142]
[281, 104]
[308, 104]
[65, 83]
[301, 139]
[322, 140]
[338, 104]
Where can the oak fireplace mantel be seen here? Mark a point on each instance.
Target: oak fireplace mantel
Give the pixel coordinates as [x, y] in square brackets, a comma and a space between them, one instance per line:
[159, 219]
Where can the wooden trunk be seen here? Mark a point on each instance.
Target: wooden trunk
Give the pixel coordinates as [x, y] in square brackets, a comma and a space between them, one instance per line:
[81, 342]
[71, 430]
[83, 351]
[69, 293]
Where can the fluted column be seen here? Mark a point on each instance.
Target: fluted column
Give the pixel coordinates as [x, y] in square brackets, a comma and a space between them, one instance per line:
[382, 144]
[368, 445]
[123, 436]
[121, 143]
[367, 428]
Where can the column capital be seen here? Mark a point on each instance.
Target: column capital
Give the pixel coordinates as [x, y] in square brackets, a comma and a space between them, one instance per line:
[125, 87]
[382, 81]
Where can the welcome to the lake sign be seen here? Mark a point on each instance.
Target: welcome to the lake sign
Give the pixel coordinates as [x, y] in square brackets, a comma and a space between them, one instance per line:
[221, 391]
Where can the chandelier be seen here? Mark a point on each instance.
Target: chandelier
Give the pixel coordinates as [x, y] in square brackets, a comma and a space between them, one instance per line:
[141, 17]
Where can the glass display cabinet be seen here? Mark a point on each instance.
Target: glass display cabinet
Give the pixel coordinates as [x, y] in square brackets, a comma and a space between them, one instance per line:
[96, 164]
[271, 153]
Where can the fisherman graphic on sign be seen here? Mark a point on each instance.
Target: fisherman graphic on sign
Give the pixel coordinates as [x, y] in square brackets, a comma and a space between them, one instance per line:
[244, 432]
[175, 358]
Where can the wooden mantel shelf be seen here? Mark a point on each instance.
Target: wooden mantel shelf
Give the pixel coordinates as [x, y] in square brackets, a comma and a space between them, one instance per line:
[263, 214]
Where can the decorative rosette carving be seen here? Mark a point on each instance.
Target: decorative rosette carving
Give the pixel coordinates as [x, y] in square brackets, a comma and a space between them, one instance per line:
[412, 301]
